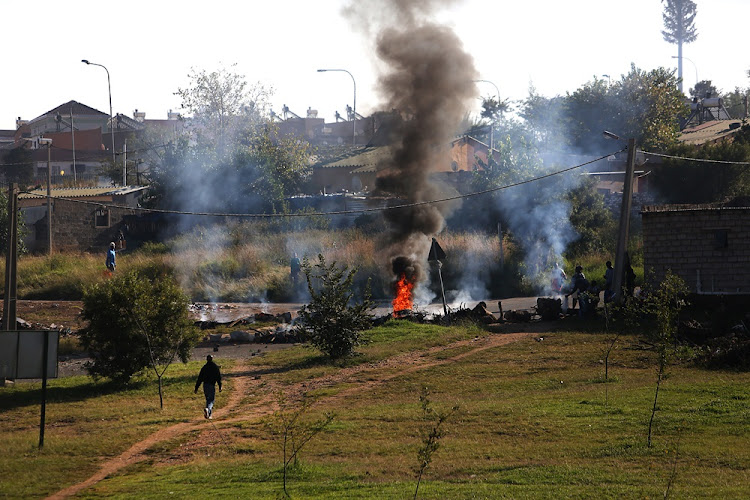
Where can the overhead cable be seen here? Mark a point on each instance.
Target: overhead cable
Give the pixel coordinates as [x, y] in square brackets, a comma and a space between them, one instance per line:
[339, 212]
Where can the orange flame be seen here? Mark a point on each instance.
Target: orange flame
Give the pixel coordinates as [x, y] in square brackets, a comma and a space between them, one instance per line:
[403, 300]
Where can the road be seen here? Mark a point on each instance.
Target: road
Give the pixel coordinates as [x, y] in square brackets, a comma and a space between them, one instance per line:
[226, 312]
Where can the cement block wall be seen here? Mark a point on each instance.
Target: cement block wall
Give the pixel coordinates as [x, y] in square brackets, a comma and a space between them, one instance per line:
[74, 227]
[707, 244]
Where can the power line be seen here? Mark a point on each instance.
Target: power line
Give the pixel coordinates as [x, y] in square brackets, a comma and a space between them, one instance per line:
[704, 160]
[339, 212]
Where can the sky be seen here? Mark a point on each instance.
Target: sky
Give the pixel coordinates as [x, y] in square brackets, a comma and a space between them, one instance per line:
[150, 47]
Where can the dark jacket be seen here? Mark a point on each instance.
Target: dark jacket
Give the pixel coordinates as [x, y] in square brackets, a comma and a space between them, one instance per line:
[209, 374]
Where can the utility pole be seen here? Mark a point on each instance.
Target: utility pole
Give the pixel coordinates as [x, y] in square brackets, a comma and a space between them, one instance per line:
[48, 142]
[622, 240]
[125, 163]
[49, 194]
[11, 289]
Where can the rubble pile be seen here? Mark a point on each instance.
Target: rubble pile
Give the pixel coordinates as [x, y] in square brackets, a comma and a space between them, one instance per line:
[548, 308]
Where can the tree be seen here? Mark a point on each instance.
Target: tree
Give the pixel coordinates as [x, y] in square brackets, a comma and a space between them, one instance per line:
[591, 219]
[704, 88]
[18, 166]
[332, 321]
[679, 27]
[682, 181]
[645, 105]
[230, 156]
[293, 431]
[430, 441]
[735, 102]
[664, 304]
[223, 108]
[135, 322]
[21, 248]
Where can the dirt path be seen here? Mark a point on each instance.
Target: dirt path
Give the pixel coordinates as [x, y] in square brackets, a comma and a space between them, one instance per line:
[361, 375]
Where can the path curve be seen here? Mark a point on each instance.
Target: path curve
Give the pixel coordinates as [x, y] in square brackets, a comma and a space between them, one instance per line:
[409, 362]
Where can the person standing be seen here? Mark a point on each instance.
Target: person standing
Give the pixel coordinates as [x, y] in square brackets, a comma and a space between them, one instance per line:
[294, 267]
[609, 276]
[209, 376]
[110, 262]
[558, 279]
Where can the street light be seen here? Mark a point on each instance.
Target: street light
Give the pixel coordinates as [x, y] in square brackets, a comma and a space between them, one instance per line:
[111, 123]
[694, 66]
[354, 117]
[492, 127]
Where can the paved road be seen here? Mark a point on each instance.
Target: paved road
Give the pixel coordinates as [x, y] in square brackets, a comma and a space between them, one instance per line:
[227, 312]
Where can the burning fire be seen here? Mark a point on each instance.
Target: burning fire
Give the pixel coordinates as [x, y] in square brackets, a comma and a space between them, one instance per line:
[403, 300]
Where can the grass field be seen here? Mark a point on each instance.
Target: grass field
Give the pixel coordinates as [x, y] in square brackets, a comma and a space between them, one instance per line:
[532, 423]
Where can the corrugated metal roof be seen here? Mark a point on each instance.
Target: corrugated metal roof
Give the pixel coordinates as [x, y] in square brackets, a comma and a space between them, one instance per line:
[710, 132]
[650, 209]
[369, 158]
[82, 192]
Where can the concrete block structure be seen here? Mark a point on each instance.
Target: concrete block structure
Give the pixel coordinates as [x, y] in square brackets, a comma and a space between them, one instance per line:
[708, 246]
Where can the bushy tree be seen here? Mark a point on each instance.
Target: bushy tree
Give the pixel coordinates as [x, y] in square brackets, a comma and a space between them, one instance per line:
[704, 88]
[591, 220]
[681, 181]
[229, 156]
[643, 104]
[18, 166]
[22, 229]
[333, 320]
[222, 107]
[734, 102]
[135, 322]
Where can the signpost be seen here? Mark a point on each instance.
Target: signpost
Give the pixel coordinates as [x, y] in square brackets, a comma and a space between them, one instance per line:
[30, 354]
[437, 255]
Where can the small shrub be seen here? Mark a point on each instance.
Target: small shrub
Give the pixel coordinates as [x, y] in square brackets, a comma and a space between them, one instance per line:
[134, 323]
[331, 321]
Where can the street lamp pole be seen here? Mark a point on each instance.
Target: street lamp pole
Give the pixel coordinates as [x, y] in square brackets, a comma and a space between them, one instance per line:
[354, 117]
[680, 69]
[111, 123]
[492, 127]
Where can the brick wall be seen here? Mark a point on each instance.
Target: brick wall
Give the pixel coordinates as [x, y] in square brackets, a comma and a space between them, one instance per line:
[74, 228]
[712, 241]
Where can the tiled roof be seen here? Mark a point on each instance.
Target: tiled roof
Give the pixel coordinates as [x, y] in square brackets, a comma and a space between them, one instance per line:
[78, 109]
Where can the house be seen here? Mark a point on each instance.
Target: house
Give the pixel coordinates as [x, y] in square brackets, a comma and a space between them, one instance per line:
[358, 172]
[710, 132]
[708, 246]
[83, 219]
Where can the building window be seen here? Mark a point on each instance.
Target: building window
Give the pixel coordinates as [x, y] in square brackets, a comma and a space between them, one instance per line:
[101, 217]
[721, 239]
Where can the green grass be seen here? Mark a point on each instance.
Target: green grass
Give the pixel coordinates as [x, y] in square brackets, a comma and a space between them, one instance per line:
[531, 423]
[85, 422]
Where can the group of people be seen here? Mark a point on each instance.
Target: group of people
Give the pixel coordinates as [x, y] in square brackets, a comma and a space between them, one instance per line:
[585, 294]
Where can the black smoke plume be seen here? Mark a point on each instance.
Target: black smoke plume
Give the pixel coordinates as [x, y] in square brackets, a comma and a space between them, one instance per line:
[428, 80]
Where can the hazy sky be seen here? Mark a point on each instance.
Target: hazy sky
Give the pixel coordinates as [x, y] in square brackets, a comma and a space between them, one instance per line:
[149, 48]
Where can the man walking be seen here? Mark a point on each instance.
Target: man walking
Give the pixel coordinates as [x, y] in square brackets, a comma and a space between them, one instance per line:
[210, 376]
